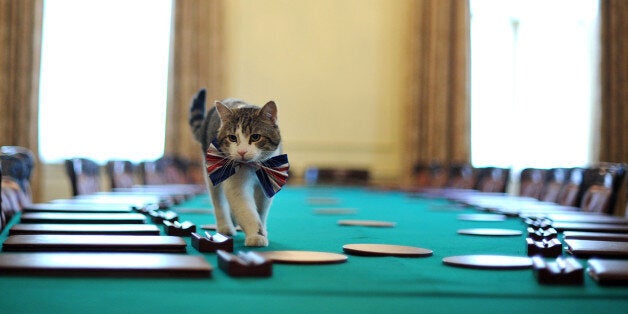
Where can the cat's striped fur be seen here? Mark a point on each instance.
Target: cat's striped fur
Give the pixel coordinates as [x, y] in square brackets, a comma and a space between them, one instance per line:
[245, 133]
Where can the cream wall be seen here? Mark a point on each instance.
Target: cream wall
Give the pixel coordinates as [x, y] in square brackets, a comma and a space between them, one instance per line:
[337, 70]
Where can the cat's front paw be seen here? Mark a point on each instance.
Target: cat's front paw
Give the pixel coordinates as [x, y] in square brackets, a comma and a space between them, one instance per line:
[227, 230]
[256, 240]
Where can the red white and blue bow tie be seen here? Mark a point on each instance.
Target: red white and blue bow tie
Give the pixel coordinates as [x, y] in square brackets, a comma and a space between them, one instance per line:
[271, 173]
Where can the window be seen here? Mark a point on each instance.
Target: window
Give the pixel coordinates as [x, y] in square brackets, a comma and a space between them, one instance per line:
[533, 82]
[103, 85]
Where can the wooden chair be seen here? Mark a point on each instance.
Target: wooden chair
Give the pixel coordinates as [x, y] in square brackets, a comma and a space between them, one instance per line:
[621, 204]
[337, 176]
[602, 187]
[531, 182]
[196, 173]
[175, 169]
[3, 221]
[554, 182]
[624, 188]
[84, 175]
[150, 173]
[570, 194]
[493, 180]
[460, 176]
[121, 173]
[432, 175]
[17, 164]
[165, 170]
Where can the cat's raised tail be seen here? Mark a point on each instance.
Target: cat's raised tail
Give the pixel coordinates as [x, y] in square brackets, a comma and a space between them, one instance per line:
[197, 115]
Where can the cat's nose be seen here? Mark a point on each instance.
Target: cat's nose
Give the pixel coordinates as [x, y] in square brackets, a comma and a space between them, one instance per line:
[241, 153]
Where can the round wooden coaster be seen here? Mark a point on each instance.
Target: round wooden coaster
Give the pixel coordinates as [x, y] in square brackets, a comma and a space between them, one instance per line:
[335, 211]
[304, 257]
[329, 201]
[489, 261]
[481, 217]
[366, 223]
[386, 250]
[490, 232]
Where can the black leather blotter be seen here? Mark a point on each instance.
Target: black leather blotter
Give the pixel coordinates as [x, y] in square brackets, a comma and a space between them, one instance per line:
[78, 208]
[112, 198]
[609, 272]
[592, 248]
[591, 227]
[588, 218]
[94, 229]
[83, 218]
[105, 264]
[599, 236]
[98, 243]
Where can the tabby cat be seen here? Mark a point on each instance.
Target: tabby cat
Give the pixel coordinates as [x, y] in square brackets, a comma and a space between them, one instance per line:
[240, 140]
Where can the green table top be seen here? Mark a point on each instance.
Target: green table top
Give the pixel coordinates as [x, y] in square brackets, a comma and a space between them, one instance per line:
[361, 285]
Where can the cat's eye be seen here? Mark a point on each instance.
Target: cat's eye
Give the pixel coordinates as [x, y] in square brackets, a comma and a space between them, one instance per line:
[232, 138]
[255, 137]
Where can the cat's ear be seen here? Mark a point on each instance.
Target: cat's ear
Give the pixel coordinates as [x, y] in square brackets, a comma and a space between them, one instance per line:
[269, 111]
[223, 111]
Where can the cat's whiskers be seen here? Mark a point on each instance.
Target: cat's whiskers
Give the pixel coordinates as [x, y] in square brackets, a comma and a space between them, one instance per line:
[228, 162]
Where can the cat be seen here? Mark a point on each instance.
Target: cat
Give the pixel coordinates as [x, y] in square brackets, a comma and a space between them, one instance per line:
[240, 137]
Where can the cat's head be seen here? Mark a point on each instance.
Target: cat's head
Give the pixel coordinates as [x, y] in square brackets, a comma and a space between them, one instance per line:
[248, 133]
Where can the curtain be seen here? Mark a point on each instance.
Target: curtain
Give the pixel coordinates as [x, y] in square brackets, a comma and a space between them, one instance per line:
[438, 119]
[196, 62]
[20, 49]
[614, 80]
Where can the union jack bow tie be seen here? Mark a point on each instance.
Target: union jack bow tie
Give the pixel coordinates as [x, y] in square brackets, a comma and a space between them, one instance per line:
[271, 173]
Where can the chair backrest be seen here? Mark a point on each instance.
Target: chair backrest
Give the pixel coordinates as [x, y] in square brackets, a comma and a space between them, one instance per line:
[421, 176]
[150, 173]
[165, 170]
[596, 199]
[570, 194]
[461, 176]
[432, 175]
[621, 204]
[625, 194]
[531, 182]
[196, 173]
[18, 163]
[175, 169]
[121, 173]
[554, 183]
[602, 187]
[493, 180]
[84, 175]
[3, 221]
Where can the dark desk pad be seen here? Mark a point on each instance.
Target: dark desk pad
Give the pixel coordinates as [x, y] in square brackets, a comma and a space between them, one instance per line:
[593, 248]
[591, 227]
[600, 219]
[599, 236]
[87, 229]
[78, 208]
[608, 271]
[98, 243]
[114, 198]
[105, 264]
[83, 218]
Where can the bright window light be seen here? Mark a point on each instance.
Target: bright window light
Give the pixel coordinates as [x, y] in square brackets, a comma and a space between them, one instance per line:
[103, 84]
[533, 82]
